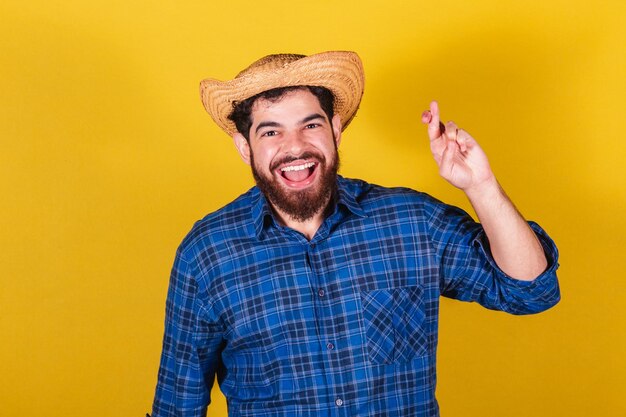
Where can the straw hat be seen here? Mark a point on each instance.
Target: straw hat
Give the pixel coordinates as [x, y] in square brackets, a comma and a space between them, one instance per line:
[340, 72]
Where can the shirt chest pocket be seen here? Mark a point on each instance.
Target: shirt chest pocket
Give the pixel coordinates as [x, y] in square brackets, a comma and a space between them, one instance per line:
[395, 324]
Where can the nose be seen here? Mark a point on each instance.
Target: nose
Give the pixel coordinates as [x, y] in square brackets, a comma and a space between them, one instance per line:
[294, 143]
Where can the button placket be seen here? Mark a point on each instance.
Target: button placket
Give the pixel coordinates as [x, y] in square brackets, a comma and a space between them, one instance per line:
[324, 313]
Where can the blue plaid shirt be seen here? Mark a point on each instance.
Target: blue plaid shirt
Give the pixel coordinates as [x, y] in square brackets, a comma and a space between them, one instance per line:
[342, 325]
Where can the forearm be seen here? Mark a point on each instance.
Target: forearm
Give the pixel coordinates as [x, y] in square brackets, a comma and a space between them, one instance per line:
[462, 162]
[514, 246]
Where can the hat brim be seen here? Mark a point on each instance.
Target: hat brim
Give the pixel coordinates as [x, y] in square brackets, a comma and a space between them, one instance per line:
[339, 71]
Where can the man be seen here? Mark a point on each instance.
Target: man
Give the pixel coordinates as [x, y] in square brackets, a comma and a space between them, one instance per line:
[317, 295]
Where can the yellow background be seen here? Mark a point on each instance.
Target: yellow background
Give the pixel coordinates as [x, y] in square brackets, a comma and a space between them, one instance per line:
[107, 158]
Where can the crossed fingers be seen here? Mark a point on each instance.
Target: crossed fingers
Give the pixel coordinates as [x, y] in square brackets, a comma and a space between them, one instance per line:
[448, 132]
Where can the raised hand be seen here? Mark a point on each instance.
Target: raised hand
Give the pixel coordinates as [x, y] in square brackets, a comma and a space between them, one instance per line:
[513, 244]
[461, 160]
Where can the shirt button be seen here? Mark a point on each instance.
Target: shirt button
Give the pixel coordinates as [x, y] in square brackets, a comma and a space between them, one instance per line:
[339, 402]
[330, 346]
[321, 292]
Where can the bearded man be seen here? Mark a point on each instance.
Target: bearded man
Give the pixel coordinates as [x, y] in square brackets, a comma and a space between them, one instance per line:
[317, 295]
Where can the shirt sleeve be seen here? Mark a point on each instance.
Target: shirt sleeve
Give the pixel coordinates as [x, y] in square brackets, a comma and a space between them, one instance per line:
[191, 347]
[469, 272]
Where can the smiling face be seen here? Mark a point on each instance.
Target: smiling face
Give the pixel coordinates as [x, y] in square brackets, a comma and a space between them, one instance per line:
[293, 153]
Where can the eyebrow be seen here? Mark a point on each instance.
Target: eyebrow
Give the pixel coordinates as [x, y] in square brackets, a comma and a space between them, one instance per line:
[314, 116]
[307, 119]
[266, 124]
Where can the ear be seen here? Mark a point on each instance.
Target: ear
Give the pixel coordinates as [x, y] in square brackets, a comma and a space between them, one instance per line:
[337, 129]
[242, 146]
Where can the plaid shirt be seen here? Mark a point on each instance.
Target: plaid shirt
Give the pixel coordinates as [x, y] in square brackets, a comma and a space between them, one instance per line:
[342, 325]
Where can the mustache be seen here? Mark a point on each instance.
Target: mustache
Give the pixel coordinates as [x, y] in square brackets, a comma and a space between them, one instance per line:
[291, 158]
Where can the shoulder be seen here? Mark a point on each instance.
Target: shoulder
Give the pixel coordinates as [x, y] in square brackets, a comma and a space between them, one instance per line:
[374, 197]
[231, 222]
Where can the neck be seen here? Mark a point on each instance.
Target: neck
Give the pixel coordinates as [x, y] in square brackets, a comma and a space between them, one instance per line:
[307, 227]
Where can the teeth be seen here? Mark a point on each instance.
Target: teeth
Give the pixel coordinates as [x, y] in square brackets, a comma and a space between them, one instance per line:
[298, 167]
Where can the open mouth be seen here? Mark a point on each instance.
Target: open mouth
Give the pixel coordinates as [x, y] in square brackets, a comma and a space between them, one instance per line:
[299, 175]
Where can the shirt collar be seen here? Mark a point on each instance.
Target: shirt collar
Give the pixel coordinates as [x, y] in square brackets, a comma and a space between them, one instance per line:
[261, 212]
[262, 217]
[349, 191]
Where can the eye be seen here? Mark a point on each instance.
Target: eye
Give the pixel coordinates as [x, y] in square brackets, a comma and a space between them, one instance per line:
[312, 125]
[270, 133]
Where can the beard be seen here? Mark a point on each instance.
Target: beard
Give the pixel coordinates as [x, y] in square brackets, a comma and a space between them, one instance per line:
[300, 205]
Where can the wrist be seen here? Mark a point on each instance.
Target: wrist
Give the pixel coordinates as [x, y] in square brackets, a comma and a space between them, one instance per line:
[485, 190]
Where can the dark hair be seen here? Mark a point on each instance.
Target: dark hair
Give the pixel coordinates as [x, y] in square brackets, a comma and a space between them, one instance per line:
[242, 110]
